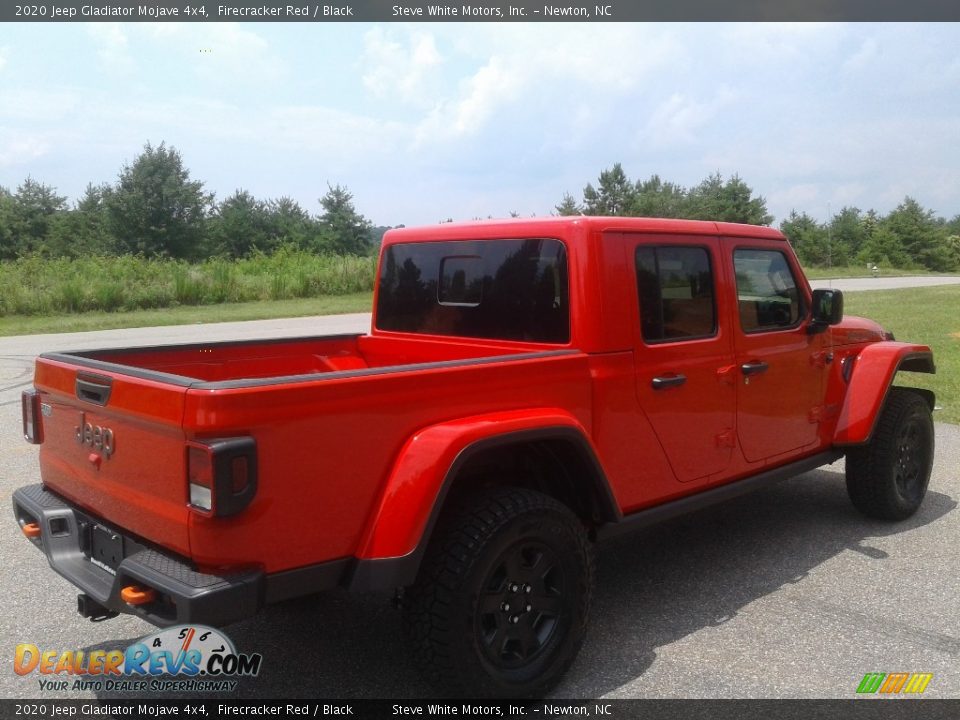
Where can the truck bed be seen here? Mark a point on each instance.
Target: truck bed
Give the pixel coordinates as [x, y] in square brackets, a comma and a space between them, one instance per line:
[282, 359]
[329, 415]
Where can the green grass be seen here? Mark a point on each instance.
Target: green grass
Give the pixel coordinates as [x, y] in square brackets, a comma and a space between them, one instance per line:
[186, 315]
[35, 285]
[930, 316]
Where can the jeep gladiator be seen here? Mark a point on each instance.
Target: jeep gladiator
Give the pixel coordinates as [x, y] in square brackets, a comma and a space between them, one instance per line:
[526, 388]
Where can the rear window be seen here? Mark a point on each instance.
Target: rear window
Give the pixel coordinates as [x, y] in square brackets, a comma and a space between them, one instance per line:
[508, 289]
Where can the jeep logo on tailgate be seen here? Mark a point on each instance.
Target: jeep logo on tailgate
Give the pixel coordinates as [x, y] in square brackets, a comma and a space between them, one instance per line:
[96, 436]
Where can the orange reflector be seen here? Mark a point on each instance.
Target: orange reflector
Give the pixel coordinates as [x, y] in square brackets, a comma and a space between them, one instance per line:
[136, 595]
[31, 530]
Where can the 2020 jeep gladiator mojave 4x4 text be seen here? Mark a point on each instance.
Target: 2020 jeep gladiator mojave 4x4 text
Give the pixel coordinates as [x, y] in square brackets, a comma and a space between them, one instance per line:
[526, 387]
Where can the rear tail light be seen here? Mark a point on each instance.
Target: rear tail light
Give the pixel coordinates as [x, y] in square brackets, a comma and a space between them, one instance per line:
[221, 475]
[200, 477]
[32, 426]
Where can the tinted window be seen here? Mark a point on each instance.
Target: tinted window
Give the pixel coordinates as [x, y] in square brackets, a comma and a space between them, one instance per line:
[498, 289]
[676, 293]
[767, 292]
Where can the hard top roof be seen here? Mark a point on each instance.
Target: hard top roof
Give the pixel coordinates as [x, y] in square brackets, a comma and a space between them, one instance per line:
[568, 225]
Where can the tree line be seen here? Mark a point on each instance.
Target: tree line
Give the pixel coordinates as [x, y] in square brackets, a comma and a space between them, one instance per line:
[155, 209]
[909, 236]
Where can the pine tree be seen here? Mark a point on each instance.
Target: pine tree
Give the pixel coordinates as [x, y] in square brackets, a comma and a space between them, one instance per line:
[348, 231]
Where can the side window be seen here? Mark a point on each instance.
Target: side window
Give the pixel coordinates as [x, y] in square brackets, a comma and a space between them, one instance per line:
[676, 293]
[767, 292]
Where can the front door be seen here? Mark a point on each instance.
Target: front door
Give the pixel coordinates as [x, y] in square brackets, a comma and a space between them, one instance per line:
[779, 378]
[683, 354]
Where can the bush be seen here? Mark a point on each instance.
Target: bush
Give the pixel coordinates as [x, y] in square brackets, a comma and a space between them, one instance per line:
[33, 285]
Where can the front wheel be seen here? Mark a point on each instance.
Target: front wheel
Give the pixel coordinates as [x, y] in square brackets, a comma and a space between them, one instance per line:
[887, 478]
[500, 606]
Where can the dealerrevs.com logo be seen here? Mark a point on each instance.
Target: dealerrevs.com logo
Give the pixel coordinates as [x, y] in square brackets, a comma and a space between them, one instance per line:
[186, 658]
[894, 683]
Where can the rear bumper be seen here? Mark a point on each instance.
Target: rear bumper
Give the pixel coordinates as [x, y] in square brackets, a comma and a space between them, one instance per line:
[183, 594]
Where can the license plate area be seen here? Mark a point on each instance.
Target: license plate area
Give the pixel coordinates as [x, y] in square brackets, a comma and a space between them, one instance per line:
[104, 547]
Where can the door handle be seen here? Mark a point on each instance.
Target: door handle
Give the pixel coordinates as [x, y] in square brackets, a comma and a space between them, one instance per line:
[754, 367]
[666, 381]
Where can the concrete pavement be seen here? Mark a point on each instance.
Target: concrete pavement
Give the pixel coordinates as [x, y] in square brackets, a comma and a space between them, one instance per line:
[886, 283]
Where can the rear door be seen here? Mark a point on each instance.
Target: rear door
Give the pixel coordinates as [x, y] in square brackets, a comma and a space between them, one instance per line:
[779, 378]
[683, 355]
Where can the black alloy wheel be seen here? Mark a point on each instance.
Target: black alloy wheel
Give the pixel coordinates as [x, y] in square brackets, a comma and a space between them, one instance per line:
[500, 606]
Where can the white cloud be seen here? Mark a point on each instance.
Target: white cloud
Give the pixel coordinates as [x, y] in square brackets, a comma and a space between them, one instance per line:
[615, 58]
[331, 133]
[533, 76]
[235, 50]
[677, 120]
[21, 150]
[327, 134]
[226, 54]
[864, 58]
[400, 64]
[482, 94]
[780, 42]
[496, 83]
[4, 52]
[113, 48]
[39, 106]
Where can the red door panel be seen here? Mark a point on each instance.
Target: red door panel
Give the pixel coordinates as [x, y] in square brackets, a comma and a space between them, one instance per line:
[778, 380]
[683, 354]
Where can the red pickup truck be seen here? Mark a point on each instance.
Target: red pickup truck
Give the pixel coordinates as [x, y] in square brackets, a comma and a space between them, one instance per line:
[526, 388]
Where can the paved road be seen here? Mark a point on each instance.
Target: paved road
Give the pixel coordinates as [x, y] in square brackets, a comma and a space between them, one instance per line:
[785, 593]
[886, 283]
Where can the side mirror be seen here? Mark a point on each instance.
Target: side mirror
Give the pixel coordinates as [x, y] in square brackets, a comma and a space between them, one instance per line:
[827, 310]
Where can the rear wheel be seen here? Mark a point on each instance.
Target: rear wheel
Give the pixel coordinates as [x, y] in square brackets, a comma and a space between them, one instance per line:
[500, 606]
[887, 478]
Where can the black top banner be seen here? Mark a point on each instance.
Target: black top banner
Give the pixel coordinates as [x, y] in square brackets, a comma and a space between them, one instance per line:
[515, 11]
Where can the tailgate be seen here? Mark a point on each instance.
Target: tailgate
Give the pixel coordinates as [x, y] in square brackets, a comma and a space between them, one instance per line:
[113, 444]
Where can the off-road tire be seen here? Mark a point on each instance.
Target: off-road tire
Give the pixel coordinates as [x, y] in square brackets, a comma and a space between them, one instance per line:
[500, 606]
[888, 477]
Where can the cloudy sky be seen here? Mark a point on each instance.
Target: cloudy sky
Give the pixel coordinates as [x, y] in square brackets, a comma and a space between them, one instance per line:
[428, 121]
